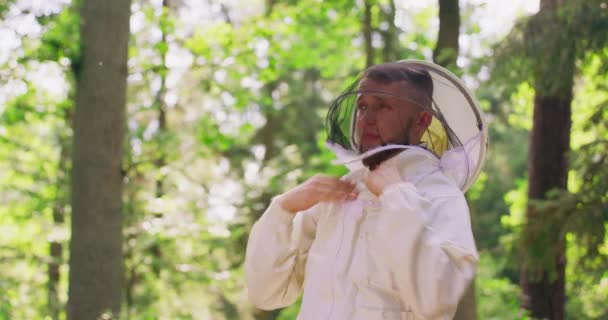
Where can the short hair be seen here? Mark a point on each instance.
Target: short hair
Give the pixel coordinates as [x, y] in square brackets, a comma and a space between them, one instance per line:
[414, 75]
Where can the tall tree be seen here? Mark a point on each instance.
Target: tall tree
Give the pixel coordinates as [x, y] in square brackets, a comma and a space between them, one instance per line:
[61, 40]
[161, 161]
[544, 286]
[446, 54]
[96, 260]
[134, 269]
[56, 246]
[367, 33]
[389, 33]
[446, 49]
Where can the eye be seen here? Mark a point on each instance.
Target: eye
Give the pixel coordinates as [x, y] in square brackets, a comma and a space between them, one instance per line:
[361, 107]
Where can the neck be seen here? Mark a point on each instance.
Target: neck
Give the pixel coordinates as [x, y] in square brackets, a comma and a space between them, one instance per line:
[375, 160]
[372, 162]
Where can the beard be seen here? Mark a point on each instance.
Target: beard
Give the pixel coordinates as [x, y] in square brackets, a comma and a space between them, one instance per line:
[372, 162]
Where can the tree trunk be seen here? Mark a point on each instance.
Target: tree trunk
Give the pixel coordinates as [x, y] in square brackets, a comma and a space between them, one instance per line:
[548, 169]
[544, 288]
[266, 314]
[367, 33]
[162, 106]
[467, 308]
[389, 52]
[96, 260]
[446, 50]
[161, 161]
[55, 246]
[56, 250]
[445, 54]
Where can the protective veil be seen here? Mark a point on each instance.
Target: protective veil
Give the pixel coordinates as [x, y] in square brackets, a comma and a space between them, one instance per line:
[457, 134]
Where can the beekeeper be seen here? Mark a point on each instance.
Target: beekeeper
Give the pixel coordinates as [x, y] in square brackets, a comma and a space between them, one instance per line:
[392, 239]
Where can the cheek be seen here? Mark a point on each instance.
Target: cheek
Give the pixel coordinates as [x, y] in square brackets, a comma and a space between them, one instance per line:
[359, 124]
[391, 124]
[358, 119]
[362, 121]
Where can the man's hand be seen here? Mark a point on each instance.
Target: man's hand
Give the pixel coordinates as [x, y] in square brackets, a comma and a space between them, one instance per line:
[379, 179]
[317, 189]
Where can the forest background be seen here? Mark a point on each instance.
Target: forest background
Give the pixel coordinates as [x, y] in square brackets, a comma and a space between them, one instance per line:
[140, 140]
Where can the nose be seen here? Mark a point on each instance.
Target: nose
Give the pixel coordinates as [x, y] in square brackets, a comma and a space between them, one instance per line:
[369, 115]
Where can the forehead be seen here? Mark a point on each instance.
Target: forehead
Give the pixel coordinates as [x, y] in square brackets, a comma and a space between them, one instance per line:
[395, 88]
[398, 92]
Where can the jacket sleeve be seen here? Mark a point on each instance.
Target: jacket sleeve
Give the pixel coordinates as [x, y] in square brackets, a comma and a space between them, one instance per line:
[431, 242]
[276, 255]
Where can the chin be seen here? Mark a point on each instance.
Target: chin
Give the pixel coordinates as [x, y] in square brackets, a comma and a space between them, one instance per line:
[370, 145]
[373, 161]
[363, 149]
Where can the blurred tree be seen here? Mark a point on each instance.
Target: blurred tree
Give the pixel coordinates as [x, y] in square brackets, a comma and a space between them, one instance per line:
[56, 47]
[244, 95]
[544, 288]
[446, 49]
[56, 246]
[584, 208]
[389, 32]
[96, 260]
[569, 31]
[446, 54]
[154, 249]
[61, 41]
[368, 33]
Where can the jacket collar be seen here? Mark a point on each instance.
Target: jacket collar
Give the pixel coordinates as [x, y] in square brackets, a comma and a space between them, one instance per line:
[413, 163]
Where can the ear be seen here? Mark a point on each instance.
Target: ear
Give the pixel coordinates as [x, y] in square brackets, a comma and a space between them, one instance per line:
[424, 119]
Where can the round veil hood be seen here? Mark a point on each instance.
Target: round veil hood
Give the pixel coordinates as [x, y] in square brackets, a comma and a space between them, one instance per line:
[457, 134]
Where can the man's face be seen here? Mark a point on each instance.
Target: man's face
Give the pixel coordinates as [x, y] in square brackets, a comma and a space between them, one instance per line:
[383, 119]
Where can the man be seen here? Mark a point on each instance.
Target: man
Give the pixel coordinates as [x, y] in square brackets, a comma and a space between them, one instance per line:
[391, 240]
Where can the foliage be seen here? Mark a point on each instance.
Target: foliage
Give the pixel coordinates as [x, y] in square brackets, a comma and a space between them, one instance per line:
[497, 297]
[243, 96]
[578, 214]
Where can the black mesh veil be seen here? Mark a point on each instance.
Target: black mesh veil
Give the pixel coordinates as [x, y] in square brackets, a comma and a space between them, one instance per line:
[456, 116]
[340, 120]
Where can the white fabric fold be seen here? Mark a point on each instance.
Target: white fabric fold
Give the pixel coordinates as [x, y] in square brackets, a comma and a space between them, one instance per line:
[459, 163]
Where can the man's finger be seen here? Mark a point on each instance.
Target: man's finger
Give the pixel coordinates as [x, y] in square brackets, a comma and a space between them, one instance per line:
[336, 184]
[335, 189]
[329, 193]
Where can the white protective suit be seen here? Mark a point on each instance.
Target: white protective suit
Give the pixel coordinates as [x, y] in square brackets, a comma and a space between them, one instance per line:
[408, 254]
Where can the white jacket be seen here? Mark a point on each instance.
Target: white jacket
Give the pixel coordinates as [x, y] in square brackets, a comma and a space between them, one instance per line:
[409, 254]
